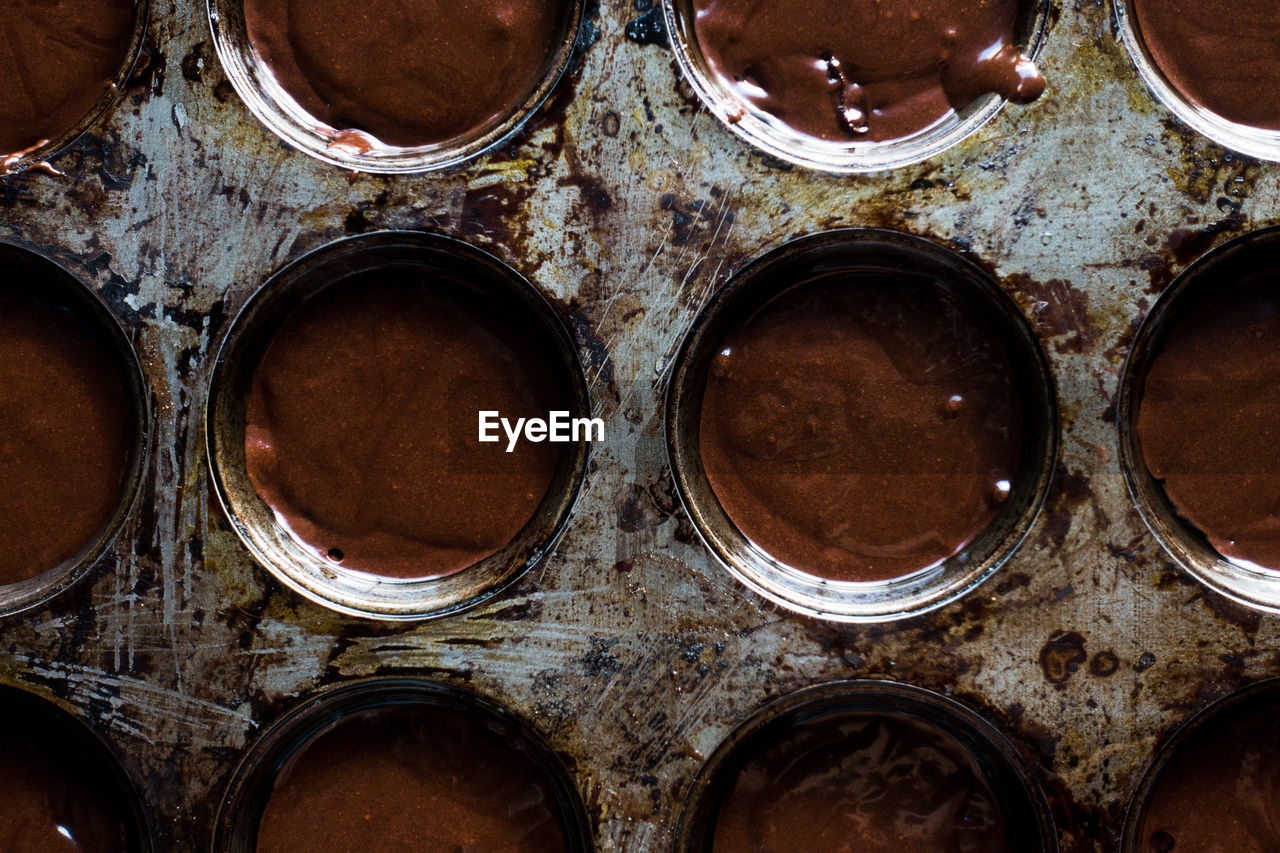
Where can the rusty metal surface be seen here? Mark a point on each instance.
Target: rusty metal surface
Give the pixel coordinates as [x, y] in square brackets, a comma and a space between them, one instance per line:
[629, 649]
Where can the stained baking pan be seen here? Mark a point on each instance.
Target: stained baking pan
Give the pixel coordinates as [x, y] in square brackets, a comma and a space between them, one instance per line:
[628, 205]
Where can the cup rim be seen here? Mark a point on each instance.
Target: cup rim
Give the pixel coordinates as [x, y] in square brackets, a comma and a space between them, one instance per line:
[1254, 142]
[264, 759]
[357, 594]
[281, 116]
[15, 162]
[140, 822]
[1173, 741]
[859, 601]
[92, 309]
[1178, 537]
[777, 140]
[966, 726]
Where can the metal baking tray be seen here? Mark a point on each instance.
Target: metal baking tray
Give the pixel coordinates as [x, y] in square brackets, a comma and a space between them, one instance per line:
[630, 649]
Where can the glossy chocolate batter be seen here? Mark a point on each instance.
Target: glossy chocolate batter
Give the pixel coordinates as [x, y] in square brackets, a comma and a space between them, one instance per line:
[409, 74]
[362, 429]
[1221, 792]
[863, 425]
[865, 70]
[1222, 56]
[56, 794]
[861, 782]
[66, 425]
[57, 59]
[1209, 417]
[408, 779]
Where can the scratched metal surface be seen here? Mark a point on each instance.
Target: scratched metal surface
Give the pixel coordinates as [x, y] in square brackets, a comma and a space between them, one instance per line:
[629, 649]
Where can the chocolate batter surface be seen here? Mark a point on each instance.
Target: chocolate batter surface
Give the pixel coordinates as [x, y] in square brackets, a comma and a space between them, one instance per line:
[862, 425]
[1221, 792]
[412, 779]
[57, 59]
[861, 782]
[362, 428]
[408, 74]
[55, 795]
[1209, 417]
[865, 70]
[1222, 56]
[66, 428]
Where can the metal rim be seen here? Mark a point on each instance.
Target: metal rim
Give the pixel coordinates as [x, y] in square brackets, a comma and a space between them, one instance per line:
[799, 149]
[971, 730]
[11, 164]
[1131, 842]
[25, 595]
[142, 840]
[276, 111]
[1177, 537]
[1250, 141]
[390, 599]
[241, 807]
[846, 601]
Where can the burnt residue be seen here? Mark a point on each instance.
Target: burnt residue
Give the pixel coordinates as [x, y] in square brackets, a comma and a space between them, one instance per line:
[1208, 174]
[1187, 244]
[1062, 656]
[1059, 310]
[650, 27]
[196, 62]
[1069, 496]
[1104, 664]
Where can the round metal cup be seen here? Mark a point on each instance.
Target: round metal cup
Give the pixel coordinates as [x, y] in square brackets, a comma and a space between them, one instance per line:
[18, 704]
[1252, 141]
[12, 162]
[19, 263]
[251, 787]
[257, 86]
[1022, 800]
[775, 138]
[1183, 542]
[878, 601]
[1131, 841]
[301, 568]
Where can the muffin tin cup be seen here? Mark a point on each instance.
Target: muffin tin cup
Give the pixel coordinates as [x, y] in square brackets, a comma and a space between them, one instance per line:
[877, 601]
[12, 162]
[1187, 546]
[275, 108]
[775, 138]
[1132, 841]
[22, 596]
[1021, 796]
[241, 809]
[1251, 141]
[95, 749]
[300, 568]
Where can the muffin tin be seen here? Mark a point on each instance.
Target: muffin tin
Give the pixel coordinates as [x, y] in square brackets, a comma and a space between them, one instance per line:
[629, 648]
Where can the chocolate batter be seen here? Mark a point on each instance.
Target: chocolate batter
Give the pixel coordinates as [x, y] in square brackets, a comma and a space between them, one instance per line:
[1209, 416]
[866, 70]
[862, 425]
[56, 794]
[1221, 791]
[861, 782]
[66, 424]
[362, 429]
[57, 59]
[409, 74]
[1224, 57]
[407, 779]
